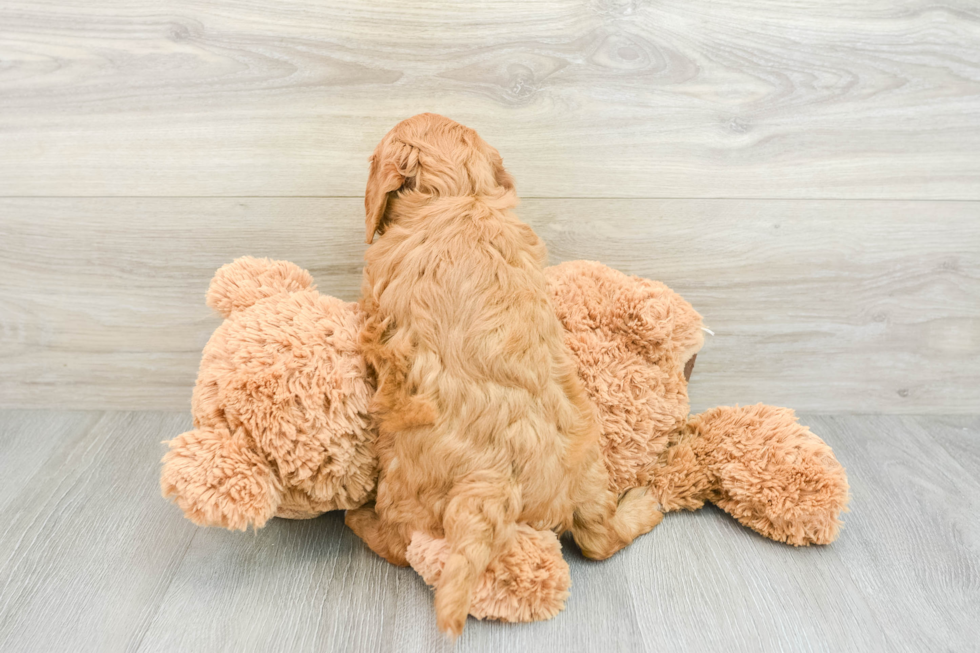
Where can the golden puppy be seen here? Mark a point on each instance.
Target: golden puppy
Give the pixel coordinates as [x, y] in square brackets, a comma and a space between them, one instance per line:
[483, 423]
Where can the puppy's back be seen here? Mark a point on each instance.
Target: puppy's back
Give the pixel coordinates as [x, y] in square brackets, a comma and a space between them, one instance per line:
[468, 332]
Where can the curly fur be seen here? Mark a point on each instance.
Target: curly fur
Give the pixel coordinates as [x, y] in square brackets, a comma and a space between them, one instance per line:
[761, 466]
[528, 581]
[483, 422]
[219, 479]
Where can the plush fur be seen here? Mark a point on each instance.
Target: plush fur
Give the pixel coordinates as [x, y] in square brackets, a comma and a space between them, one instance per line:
[483, 423]
[280, 406]
[761, 466]
[633, 339]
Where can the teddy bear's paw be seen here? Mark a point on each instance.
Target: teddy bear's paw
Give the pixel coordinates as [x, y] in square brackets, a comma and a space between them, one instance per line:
[217, 480]
[774, 475]
[529, 581]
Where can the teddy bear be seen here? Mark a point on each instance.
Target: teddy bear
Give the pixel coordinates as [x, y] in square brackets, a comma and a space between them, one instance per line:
[282, 424]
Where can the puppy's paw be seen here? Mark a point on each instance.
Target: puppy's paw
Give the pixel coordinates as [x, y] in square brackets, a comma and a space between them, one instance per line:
[451, 624]
[638, 512]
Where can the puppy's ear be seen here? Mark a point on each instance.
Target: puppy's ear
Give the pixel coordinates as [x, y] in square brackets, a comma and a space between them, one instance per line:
[501, 176]
[391, 164]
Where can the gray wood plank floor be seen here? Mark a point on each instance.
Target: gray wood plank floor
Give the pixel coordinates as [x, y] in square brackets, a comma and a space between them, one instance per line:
[92, 559]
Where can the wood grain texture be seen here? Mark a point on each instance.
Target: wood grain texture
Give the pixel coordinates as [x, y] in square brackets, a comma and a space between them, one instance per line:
[952, 433]
[28, 439]
[299, 586]
[597, 98]
[854, 306]
[88, 548]
[94, 560]
[912, 540]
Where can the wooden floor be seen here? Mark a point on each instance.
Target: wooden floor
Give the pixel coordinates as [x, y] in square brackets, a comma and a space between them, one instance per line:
[92, 559]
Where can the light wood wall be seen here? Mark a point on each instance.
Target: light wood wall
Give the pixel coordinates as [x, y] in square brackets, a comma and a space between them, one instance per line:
[806, 174]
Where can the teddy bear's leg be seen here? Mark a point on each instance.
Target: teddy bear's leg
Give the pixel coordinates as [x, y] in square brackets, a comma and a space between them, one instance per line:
[217, 479]
[386, 542]
[770, 472]
[528, 581]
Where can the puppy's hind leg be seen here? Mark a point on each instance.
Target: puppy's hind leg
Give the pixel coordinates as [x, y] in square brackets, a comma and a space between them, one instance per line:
[384, 540]
[602, 525]
[479, 521]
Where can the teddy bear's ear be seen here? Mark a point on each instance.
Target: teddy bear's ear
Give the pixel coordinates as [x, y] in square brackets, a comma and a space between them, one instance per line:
[392, 164]
[659, 319]
[688, 335]
[246, 280]
[647, 312]
[590, 297]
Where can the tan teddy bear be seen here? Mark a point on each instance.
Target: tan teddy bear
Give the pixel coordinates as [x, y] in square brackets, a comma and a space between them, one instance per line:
[280, 406]
[282, 425]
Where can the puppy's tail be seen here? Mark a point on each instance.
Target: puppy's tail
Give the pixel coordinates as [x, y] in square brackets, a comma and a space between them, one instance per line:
[480, 519]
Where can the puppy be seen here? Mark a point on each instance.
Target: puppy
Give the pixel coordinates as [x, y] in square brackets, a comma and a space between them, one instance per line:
[482, 420]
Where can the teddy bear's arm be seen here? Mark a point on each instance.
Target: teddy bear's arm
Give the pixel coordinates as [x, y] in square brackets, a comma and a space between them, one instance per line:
[759, 464]
[218, 479]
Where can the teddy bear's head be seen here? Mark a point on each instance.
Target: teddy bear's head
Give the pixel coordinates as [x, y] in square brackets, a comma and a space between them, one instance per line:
[280, 404]
[632, 339]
